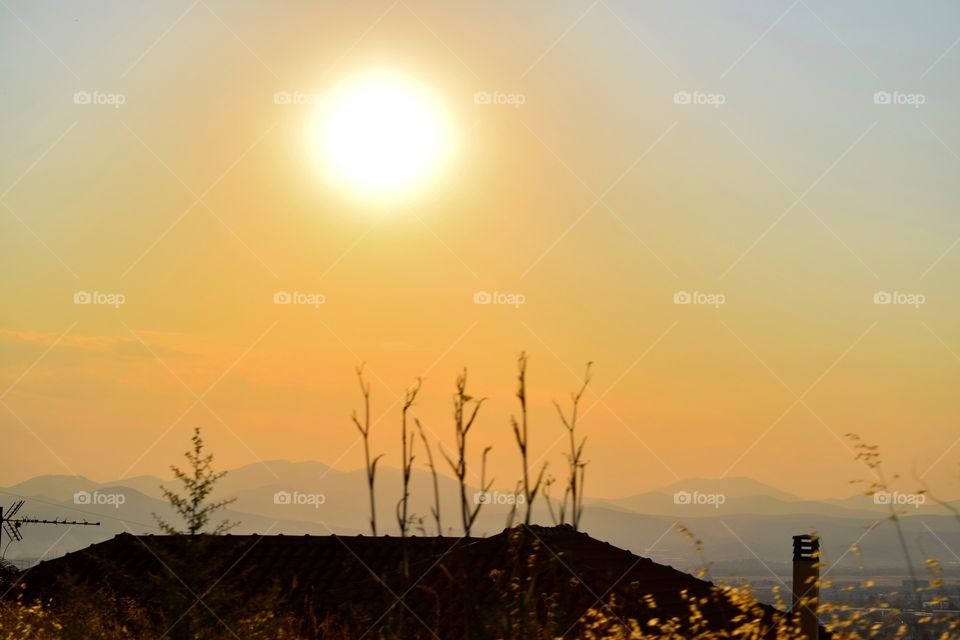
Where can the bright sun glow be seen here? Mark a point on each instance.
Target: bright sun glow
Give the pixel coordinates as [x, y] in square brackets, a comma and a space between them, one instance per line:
[382, 136]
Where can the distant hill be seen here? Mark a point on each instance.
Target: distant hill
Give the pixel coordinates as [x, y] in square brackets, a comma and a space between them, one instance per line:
[54, 487]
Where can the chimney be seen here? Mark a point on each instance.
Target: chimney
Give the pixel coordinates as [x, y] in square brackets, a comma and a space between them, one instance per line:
[806, 584]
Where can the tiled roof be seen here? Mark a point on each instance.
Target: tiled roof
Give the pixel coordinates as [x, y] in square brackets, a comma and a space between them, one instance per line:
[450, 584]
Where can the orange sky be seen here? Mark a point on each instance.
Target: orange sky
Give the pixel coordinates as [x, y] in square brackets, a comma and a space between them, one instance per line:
[598, 199]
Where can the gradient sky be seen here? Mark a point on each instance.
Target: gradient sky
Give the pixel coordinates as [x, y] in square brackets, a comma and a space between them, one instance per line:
[598, 199]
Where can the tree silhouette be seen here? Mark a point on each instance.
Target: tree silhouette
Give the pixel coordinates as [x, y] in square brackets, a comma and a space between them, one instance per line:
[198, 483]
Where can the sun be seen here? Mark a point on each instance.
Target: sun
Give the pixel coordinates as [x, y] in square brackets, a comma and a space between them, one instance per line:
[382, 136]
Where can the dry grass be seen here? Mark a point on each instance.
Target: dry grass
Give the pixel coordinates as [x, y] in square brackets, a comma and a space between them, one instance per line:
[524, 614]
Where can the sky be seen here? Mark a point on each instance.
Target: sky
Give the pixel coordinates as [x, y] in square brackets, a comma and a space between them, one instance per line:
[788, 168]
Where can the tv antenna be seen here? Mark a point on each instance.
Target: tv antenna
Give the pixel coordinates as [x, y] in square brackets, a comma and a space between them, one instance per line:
[10, 523]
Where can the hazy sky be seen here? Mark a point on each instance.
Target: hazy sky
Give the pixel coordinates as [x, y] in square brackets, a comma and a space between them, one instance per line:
[786, 186]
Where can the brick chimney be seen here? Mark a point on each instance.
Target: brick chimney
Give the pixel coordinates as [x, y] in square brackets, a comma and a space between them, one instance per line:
[806, 584]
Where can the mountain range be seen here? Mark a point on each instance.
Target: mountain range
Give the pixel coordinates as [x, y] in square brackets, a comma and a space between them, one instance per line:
[744, 526]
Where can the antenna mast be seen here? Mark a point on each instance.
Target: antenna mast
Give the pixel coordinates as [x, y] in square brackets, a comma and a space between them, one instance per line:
[11, 523]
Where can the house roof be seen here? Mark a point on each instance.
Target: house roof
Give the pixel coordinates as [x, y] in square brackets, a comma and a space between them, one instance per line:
[447, 584]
